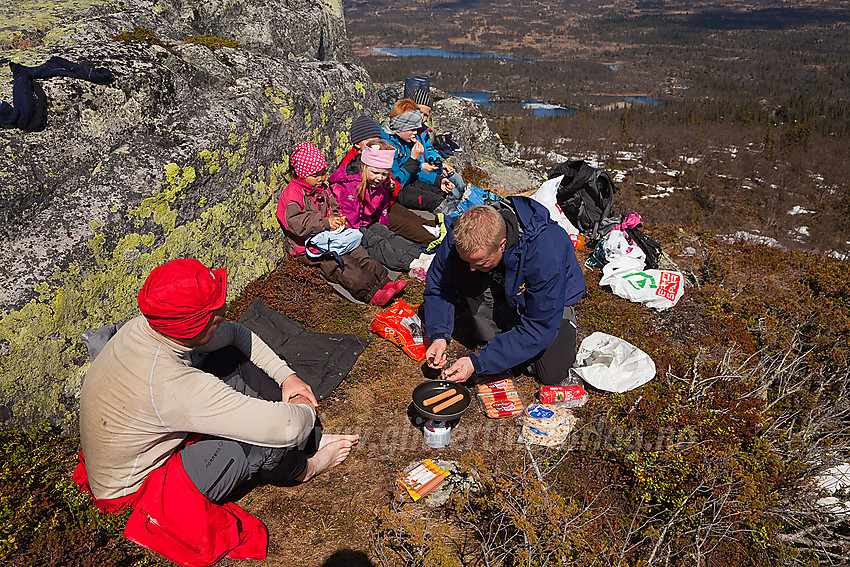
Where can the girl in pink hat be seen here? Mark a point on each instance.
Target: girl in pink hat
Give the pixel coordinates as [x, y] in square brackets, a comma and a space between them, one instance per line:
[361, 188]
[307, 207]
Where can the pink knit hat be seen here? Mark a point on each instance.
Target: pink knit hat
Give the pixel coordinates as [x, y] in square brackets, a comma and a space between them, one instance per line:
[376, 157]
[306, 159]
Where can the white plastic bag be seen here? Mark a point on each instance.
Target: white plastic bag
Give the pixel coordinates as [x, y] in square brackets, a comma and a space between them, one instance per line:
[616, 245]
[546, 196]
[610, 363]
[659, 289]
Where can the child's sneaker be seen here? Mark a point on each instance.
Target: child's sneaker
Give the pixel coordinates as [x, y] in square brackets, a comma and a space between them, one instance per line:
[397, 286]
[383, 295]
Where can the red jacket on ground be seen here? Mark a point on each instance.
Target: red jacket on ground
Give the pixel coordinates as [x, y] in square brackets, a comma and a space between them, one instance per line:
[171, 517]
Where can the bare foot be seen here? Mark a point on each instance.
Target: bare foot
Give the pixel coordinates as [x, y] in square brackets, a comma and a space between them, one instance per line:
[333, 449]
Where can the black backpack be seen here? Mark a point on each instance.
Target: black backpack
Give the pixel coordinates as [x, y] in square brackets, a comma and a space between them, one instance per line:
[585, 195]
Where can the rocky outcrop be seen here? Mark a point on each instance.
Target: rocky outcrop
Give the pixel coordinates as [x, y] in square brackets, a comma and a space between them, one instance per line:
[482, 147]
[183, 155]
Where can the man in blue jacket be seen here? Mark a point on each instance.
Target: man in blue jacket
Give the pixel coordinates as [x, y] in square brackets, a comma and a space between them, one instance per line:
[517, 271]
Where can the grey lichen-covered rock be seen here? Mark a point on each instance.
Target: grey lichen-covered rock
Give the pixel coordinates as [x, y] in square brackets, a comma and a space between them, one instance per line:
[183, 155]
[481, 146]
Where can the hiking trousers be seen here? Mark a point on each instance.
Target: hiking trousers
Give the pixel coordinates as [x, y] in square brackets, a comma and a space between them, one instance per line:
[217, 465]
[408, 224]
[491, 315]
[361, 275]
[388, 248]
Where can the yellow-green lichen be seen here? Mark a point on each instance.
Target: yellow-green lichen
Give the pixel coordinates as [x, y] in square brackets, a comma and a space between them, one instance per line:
[343, 144]
[281, 100]
[359, 88]
[236, 157]
[158, 206]
[210, 159]
[25, 21]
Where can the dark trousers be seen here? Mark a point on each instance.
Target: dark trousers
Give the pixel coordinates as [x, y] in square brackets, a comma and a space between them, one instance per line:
[491, 315]
[361, 275]
[217, 465]
[388, 248]
[408, 224]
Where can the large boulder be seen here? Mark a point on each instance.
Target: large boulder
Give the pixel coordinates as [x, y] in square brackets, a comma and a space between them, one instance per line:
[482, 147]
[183, 155]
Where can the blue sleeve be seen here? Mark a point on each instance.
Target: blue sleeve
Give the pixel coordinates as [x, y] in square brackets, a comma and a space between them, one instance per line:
[404, 168]
[439, 295]
[544, 276]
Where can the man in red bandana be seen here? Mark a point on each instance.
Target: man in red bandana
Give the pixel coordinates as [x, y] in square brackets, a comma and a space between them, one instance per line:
[147, 393]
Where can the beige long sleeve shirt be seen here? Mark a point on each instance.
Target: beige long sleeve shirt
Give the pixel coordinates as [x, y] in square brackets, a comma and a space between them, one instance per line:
[141, 398]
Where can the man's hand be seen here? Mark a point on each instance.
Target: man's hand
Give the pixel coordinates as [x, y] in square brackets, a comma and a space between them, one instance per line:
[293, 387]
[418, 150]
[436, 353]
[446, 185]
[461, 370]
[429, 167]
[447, 169]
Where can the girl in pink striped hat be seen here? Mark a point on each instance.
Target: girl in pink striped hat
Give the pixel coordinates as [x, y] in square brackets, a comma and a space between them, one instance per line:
[362, 190]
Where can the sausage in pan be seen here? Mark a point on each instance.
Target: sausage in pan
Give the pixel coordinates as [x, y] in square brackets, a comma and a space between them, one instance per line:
[439, 397]
[448, 403]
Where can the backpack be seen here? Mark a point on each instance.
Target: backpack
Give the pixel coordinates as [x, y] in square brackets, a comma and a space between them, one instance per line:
[585, 195]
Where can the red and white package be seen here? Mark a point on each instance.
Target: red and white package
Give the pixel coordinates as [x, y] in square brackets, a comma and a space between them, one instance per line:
[570, 396]
[500, 398]
[401, 325]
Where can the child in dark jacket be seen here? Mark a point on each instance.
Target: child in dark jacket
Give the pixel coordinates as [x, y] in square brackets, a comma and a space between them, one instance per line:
[308, 207]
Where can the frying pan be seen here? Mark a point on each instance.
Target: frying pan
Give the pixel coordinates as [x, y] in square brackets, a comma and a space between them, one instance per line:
[431, 388]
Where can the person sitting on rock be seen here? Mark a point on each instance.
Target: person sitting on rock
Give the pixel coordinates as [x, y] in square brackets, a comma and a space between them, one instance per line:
[431, 158]
[306, 208]
[517, 272]
[400, 219]
[421, 188]
[171, 439]
[361, 188]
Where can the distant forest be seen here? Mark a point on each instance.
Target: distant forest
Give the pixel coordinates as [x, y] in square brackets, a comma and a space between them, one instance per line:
[758, 91]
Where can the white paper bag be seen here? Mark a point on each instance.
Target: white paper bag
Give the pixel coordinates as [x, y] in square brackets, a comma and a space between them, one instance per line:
[612, 364]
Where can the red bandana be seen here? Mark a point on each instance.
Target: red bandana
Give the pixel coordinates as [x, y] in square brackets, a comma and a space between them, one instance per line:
[179, 297]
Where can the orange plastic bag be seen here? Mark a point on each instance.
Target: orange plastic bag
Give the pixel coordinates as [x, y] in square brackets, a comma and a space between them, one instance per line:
[401, 325]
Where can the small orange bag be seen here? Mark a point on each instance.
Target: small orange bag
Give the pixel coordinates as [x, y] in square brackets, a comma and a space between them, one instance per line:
[401, 325]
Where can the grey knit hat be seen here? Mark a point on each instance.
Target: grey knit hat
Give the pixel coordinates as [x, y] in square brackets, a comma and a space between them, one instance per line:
[364, 128]
[423, 97]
